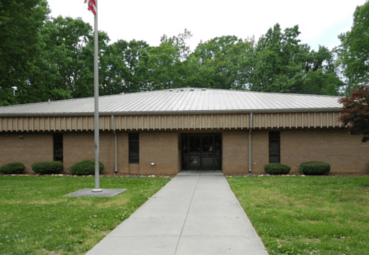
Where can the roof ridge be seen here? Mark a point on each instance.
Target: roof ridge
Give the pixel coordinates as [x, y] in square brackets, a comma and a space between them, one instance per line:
[250, 91]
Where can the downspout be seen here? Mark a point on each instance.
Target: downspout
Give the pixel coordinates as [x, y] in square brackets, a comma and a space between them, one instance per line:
[116, 144]
[250, 129]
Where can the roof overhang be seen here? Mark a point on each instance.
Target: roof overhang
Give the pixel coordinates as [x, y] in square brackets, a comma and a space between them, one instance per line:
[145, 113]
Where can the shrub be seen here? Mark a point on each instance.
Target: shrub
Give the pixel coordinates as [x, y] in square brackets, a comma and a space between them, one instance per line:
[86, 167]
[314, 168]
[48, 167]
[13, 168]
[277, 168]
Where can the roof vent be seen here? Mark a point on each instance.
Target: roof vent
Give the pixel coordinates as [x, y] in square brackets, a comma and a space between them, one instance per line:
[191, 89]
[203, 90]
[49, 101]
[171, 90]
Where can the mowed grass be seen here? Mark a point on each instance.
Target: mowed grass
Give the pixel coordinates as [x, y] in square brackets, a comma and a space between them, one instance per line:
[307, 215]
[37, 218]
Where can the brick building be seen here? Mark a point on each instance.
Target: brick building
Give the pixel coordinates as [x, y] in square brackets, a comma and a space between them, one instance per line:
[165, 132]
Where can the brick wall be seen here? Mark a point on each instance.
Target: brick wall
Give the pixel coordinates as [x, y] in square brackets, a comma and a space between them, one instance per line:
[259, 150]
[158, 147]
[344, 152]
[79, 146]
[235, 156]
[34, 147]
[161, 148]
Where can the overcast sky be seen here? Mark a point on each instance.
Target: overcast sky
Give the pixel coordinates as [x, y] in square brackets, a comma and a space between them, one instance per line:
[320, 21]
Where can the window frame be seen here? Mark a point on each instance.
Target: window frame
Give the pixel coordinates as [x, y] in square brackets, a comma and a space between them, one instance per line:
[58, 140]
[275, 136]
[133, 156]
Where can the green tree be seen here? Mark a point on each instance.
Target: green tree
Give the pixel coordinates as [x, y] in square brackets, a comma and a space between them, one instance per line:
[179, 42]
[228, 59]
[20, 24]
[282, 64]
[125, 67]
[164, 66]
[354, 49]
[65, 66]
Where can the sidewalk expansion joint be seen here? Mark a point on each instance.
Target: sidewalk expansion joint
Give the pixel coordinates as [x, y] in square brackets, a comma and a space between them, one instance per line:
[184, 223]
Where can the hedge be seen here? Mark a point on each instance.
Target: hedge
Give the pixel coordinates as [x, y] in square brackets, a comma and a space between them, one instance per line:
[314, 168]
[48, 167]
[13, 168]
[276, 168]
[86, 167]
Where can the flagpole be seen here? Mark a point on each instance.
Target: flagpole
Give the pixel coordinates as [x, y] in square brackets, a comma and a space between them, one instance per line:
[96, 94]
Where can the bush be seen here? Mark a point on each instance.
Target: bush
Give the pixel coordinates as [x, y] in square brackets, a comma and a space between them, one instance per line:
[13, 168]
[86, 167]
[314, 168]
[48, 167]
[277, 168]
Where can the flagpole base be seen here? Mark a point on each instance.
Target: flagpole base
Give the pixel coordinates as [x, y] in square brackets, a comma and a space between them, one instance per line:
[96, 190]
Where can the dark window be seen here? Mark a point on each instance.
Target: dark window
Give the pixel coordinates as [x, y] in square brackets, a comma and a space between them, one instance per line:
[58, 146]
[274, 147]
[134, 155]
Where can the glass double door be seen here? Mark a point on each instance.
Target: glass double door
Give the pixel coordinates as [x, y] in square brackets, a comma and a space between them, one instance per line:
[201, 151]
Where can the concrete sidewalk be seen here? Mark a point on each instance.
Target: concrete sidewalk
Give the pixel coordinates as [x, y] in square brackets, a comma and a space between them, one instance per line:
[195, 213]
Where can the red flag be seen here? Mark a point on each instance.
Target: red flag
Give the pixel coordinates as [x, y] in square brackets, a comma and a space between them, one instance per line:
[92, 6]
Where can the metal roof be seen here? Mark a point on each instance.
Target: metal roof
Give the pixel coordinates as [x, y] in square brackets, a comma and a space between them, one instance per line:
[179, 101]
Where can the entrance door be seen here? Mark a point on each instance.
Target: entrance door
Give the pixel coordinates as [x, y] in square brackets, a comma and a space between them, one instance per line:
[201, 151]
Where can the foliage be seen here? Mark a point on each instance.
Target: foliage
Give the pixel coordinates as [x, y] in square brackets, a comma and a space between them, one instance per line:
[47, 167]
[354, 48]
[124, 67]
[276, 168]
[86, 167]
[227, 59]
[314, 168]
[20, 44]
[164, 66]
[307, 215]
[356, 111]
[65, 71]
[13, 168]
[282, 64]
[38, 218]
[53, 60]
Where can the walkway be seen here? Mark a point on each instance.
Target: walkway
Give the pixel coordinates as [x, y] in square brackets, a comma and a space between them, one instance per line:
[195, 213]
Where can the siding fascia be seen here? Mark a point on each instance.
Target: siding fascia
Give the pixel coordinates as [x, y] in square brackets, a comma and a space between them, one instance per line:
[280, 120]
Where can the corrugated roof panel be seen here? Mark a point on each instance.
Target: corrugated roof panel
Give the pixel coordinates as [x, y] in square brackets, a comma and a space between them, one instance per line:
[181, 100]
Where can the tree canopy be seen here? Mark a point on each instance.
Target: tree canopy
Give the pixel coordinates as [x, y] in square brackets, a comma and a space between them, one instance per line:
[354, 49]
[45, 58]
[20, 44]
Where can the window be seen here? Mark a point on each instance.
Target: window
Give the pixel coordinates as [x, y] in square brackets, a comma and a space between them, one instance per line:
[58, 147]
[134, 155]
[274, 147]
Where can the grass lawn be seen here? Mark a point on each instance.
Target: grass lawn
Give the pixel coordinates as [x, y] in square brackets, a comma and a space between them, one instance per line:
[36, 217]
[307, 215]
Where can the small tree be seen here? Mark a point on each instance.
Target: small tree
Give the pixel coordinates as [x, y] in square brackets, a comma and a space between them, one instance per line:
[356, 112]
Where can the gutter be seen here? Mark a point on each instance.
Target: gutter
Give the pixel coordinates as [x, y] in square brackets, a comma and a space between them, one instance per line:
[214, 112]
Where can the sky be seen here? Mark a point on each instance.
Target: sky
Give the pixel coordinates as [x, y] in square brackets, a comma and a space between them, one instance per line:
[319, 21]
